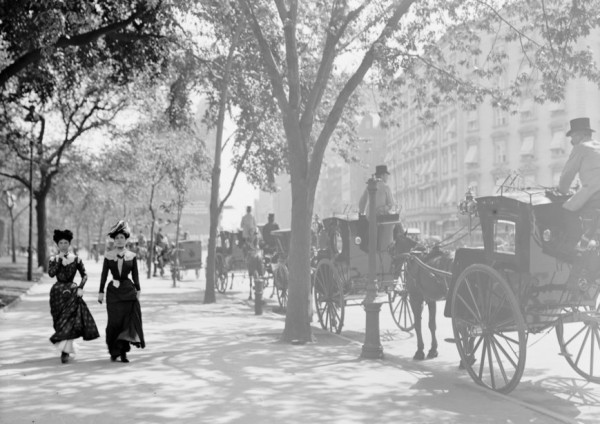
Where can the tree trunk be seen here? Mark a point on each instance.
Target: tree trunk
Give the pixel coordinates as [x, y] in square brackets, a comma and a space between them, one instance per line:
[150, 260]
[12, 237]
[297, 320]
[40, 211]
[215, 207]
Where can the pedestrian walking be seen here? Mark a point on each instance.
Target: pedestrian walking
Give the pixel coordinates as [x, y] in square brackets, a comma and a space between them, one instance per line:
[248, 224]
[70, 315]
[124, 326]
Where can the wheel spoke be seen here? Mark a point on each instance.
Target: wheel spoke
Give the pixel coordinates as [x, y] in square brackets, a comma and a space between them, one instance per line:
[506, 354]
[576, 334]
[482, 363]
[593, 334]
[468, 307]
[473, 297]
[493, 340]
[508, 338]
[491, 363]
[587, 333]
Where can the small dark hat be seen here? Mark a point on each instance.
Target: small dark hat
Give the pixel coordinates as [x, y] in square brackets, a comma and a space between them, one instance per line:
[381, 169]
[62, 235]
[579, 124]
[120, 227]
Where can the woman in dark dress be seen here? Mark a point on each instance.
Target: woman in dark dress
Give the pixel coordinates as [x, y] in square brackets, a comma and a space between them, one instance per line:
[124, 326]
[70, 314]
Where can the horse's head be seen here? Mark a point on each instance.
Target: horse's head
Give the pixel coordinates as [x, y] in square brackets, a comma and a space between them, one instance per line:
[403, 243]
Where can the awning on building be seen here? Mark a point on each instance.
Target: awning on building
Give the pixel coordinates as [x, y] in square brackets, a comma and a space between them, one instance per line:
[451, 198]
[528, 146]
[443, 195]
[472, 155]
[451, 127]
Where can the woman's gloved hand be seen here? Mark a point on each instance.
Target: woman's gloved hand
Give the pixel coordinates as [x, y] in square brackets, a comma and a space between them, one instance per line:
[100, 298]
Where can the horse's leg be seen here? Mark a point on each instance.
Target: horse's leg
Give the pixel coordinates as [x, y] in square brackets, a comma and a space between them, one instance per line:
[433, 352]
[416, 303]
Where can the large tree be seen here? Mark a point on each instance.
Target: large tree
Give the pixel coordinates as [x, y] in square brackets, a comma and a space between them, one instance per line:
[307, 47]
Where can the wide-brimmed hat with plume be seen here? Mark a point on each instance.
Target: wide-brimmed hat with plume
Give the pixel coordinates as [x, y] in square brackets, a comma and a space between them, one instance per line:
[120, 227]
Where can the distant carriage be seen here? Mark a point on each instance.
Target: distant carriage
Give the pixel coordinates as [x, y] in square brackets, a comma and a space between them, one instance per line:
[189, 256]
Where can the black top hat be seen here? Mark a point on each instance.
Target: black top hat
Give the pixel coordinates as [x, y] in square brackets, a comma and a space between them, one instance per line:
[62, 235]
[579, 124]
[381, 169]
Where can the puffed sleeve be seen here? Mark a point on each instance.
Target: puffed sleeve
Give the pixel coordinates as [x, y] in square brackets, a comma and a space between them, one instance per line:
[82, 272]
[104, 275]
[135, 275]
[53, 267]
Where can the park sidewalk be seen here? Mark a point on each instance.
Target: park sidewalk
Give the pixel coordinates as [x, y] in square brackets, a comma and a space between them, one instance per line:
[221, 363]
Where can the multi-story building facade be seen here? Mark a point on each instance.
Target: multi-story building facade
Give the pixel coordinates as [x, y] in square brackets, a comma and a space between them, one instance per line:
[478, 149]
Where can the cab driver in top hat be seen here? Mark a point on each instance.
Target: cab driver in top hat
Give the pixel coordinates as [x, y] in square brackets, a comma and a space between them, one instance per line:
[384, 202]
[585, 161]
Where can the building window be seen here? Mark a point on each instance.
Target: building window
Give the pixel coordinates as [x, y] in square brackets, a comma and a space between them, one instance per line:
[472, 120]
[453, 159]
[500, 117]
[527, 147]
[445, 161]
[557, 146]
[500, 151]
[527, 109]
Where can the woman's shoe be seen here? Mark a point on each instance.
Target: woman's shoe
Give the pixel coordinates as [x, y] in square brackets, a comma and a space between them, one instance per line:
[113, 358]
[64, 357]
[124, 357]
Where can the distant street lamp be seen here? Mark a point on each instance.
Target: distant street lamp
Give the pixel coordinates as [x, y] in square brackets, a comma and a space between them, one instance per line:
[33, 117]
[468, 206]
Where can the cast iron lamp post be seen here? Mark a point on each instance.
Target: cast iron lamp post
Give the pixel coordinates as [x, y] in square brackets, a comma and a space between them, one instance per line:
[34, 118]
[372, 348]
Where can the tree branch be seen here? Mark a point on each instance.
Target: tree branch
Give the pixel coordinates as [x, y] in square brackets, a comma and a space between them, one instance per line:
[35, 55]
[270, 64]
[338, 107]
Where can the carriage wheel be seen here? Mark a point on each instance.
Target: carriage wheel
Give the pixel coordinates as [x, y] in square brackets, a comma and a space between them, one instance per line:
[399, 304]
[329, 296]
[489, 328]
[281, 280]
[220, 274]
[580, 343]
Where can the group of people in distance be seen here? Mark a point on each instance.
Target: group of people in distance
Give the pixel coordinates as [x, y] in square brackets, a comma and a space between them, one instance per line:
[71, 316]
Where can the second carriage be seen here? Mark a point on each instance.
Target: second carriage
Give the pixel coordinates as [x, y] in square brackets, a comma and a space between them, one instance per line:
[341, 268]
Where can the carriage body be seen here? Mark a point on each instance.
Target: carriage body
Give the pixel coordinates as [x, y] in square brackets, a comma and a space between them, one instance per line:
[528, 277]
[190, 254]
[341, 263]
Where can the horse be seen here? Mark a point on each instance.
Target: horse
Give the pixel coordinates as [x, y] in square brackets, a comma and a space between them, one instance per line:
[423, 285]
[254, 260]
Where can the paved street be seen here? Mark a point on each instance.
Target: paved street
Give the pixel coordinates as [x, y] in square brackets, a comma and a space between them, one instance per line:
[220, 363]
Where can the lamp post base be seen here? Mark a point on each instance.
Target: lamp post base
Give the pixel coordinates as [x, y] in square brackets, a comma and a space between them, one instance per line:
[372, 348]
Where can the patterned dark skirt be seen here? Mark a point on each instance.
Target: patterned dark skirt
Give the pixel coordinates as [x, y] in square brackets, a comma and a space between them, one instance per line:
[124, 325]
[70, 315]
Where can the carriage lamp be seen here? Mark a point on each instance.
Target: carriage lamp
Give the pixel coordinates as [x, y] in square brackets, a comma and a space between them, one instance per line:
[468, 206]
[357, 241]
[547, 235]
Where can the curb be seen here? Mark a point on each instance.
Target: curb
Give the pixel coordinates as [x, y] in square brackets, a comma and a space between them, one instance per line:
[18, 299]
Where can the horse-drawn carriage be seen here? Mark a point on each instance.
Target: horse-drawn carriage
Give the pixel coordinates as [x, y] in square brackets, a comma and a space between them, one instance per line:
[230, 258]
[279, 265]
[529, 277]
[188, 257]
[341, 269]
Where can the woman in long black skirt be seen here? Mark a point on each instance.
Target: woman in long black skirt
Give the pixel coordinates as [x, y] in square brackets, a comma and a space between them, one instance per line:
[124, 326]
[70, 315]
